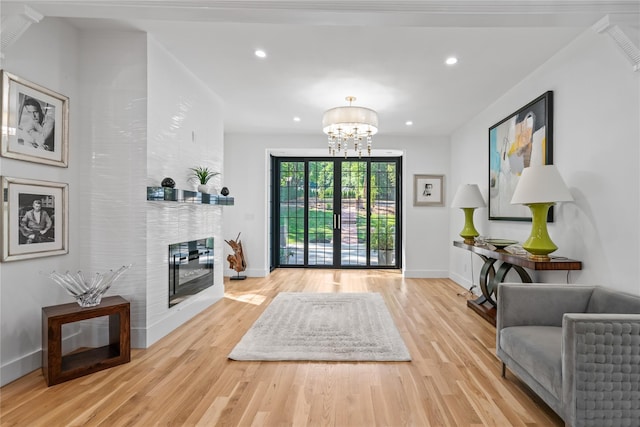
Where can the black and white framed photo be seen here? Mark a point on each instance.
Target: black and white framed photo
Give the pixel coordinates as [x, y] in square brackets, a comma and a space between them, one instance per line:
[35, 122]
[428, 190]
[34, 218]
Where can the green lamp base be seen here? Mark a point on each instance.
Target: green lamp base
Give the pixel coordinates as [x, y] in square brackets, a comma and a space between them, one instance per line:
[539, 244]
[469, 232]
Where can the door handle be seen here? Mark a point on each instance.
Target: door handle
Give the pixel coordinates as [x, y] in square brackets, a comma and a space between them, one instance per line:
[339, 222]
[336, 221]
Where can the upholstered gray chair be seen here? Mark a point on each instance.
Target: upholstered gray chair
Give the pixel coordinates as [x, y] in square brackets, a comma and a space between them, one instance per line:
[577, 347]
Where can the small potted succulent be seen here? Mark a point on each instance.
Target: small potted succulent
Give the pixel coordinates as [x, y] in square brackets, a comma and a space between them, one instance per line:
[201, 175]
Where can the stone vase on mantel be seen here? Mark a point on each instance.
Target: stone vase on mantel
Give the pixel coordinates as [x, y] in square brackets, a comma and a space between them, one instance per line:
[203, 188]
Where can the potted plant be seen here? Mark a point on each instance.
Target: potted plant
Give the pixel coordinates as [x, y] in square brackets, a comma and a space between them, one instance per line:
[202, 175]
[383, 240]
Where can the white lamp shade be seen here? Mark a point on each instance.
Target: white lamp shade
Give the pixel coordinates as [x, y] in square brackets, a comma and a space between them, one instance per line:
[541, 184]
[468, 196]
[346, 119]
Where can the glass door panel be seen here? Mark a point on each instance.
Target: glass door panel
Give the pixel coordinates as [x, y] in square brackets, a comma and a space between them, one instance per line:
[383, 233]
[321, 216]
[353, 213]
[292, 210]
[336, 213]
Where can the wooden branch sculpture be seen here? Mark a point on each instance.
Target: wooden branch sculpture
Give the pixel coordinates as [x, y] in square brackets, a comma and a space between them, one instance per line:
[236, 261]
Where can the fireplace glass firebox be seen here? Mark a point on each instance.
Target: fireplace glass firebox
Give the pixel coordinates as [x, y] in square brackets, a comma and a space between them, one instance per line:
[190, 268]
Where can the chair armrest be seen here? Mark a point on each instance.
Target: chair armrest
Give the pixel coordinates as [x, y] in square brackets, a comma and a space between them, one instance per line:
[539, 304]
[601, 369]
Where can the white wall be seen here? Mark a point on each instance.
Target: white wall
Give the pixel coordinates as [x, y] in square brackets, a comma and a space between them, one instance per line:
[426, 228]
[24, 287]
[112, 158]
[596, 136]
[125, 94]
[248, 178]
[185, 130]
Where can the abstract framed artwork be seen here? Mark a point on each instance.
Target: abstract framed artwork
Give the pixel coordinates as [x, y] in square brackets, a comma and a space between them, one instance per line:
[34, 218]
[35, 122]
[428, 190]
[523, 139]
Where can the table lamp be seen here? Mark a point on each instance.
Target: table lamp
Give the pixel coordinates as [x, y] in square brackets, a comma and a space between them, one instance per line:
[539, 188]
[468, 198]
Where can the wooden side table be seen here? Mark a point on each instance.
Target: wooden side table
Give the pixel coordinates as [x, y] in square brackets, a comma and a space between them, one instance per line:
[486, 304]
[58, 368]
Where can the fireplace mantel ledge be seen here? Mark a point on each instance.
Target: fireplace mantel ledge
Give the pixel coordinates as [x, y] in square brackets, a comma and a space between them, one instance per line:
[165, 194]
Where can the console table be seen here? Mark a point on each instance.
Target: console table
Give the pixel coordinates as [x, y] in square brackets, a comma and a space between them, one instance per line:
[57, 367]
[485, 305]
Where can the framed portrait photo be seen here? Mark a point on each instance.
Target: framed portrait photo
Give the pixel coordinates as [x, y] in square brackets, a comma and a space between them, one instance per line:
[35, 122]
[523, 139]
[428, 190]
[34, 218]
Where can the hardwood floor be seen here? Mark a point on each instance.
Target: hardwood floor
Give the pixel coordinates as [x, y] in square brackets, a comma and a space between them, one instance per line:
[186, 378]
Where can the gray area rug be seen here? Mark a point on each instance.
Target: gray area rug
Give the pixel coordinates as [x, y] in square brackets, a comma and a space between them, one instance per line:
[323, 327]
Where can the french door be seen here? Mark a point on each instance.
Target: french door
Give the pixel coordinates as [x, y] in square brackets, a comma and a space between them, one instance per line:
[336, 213]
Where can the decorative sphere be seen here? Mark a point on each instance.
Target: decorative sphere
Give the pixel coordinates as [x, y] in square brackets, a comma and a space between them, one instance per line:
[224, 191]
[168, 182]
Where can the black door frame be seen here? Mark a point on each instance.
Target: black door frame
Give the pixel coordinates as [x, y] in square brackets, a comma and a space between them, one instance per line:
[274, 261]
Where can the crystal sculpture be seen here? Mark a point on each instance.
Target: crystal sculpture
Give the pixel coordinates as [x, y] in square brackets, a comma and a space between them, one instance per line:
[88, 293]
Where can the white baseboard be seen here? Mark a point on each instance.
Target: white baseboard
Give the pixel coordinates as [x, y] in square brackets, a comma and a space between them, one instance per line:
[250, 272]
[32, 361]
[176, 317]
[461, 280]
[426, 274]
[17, 368]
[138, 337]
[465, 283]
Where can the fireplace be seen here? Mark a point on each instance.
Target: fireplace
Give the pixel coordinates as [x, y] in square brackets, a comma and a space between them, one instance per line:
[190, 268]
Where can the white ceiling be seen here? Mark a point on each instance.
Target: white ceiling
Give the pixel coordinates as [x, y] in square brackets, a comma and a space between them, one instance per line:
[389, 54]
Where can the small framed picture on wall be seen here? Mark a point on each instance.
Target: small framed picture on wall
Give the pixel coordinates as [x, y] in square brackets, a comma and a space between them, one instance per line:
[35, 122]
[34, 218]
[428, 190]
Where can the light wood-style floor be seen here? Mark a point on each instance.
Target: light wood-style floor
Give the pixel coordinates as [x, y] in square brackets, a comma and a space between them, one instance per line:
[186, 378]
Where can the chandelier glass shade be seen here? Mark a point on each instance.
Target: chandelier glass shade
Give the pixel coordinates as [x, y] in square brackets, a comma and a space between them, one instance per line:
[350, 125]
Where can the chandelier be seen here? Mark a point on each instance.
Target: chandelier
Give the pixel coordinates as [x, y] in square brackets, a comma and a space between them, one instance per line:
[349, 125]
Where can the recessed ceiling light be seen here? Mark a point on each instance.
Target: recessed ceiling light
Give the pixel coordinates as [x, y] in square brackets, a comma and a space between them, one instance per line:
[408, 123]
[260, 53]
[296, 119]
[451, 60]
